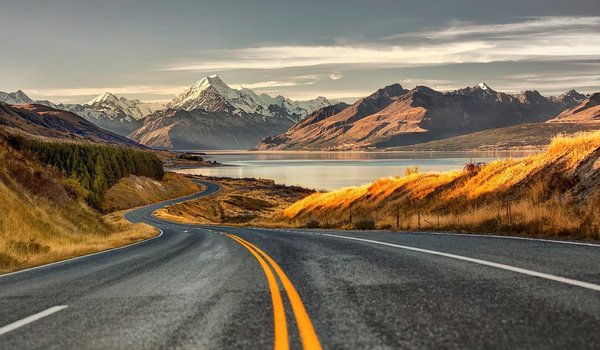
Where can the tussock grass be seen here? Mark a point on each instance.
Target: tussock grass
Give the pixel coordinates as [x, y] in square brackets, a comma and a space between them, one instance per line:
[556, 193]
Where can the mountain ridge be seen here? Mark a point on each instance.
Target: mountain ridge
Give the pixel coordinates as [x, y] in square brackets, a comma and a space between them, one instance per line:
[419, 115]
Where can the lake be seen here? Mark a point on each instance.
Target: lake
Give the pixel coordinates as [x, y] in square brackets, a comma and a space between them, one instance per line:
[331, 170]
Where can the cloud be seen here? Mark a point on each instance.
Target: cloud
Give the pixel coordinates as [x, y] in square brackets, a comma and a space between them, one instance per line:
[334, 76]
[527, 26]
[267, 84]
[119, 90]
[531, 39]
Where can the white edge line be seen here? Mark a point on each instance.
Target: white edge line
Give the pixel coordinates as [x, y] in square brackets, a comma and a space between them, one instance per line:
[82, 256]
[482, 262]
[92, 254]
[479, 235]
[463, 235]
[505, 237]
[29, 319]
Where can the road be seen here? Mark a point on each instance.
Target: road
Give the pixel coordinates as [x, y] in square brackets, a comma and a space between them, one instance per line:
[211, 287]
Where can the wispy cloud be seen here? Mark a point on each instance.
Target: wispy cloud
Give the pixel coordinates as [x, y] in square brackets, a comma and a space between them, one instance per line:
[543, 38]
[334, 76]
[527, 25]
[119, 90]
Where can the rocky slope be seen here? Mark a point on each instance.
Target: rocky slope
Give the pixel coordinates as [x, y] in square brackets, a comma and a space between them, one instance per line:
[201, 129]
[43, 122]
[587, 112]
[393, 116]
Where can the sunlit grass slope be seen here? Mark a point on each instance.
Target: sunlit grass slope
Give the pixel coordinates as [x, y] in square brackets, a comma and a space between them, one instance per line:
[44, 217]
[555, 193]
[135, 191]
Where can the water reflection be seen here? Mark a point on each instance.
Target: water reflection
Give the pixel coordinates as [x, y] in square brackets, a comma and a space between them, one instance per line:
[331, 170]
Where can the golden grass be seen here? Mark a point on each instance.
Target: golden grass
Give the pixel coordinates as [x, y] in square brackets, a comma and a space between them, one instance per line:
[45, 219]
[551, 194]
[134, 191]
[240, 202]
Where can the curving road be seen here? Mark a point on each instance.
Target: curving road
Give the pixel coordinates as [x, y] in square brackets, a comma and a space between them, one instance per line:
[211, 287]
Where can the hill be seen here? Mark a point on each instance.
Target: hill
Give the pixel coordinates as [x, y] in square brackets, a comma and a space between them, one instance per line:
[45, 216]
[533, 136]
[587, 112]
[46, 123]
[556, 193]
[394, 116]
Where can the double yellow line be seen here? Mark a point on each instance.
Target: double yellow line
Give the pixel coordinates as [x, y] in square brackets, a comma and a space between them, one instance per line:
[307, 332]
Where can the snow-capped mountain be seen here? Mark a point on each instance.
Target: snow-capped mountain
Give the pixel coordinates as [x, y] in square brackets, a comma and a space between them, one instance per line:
[213, 95]
[19, 98]
[15, 98]
[114, 106]
[108, 111]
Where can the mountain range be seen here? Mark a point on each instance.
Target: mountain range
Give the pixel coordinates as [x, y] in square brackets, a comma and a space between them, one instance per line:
[394, 116]
[116, 114]
[208, 115]
[46, 123]
[587, 112]
[212, 115]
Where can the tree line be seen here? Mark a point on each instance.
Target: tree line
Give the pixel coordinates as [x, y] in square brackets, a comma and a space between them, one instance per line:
[96, 167]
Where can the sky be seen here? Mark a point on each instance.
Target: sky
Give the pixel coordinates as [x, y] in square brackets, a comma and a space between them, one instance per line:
[72, 50]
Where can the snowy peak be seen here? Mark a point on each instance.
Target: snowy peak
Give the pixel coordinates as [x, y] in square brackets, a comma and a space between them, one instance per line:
[214, 95]
[483, 86]
[15, 98]
[570, 98]
[120, 107]
[105, 97]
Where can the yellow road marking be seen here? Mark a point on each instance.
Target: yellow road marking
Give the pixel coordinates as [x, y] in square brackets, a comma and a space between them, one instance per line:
[309, 338]
[281, 341]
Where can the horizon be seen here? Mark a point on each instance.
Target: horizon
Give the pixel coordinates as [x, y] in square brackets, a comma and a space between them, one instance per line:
[347, 100]
[76, 50]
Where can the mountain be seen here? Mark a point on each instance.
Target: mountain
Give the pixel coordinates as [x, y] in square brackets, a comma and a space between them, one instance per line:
[108, 111]
[571, 97]
[113, 113]
[393, 117]
[43, 122]
[201, 129]
[211, 115]
[15, 98]
[587, 112]
[213, 95]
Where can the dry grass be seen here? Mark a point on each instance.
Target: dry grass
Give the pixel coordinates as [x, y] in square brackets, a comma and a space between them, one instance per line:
[135, 191]
[45, 218]
[556, 193]
[240, 202]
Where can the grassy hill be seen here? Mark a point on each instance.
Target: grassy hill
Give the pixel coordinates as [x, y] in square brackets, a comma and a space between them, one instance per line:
[525, 137]
[45, 216]
[556, 193]
[52, 194]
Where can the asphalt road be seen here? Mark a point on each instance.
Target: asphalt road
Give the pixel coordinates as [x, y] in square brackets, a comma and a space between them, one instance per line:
[250, 288]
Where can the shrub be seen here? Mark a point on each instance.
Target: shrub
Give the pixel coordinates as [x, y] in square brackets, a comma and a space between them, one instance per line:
[474, 167]
[365, 224]
[313, 224]
[412, 170]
